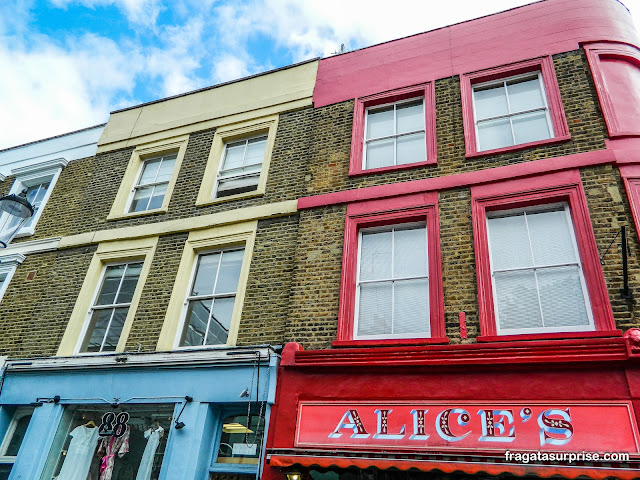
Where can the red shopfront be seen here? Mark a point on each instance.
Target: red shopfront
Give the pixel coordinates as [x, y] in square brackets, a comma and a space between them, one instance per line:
[538, 408]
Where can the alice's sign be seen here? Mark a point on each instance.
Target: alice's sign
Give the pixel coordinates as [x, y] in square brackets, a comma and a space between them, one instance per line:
[468, 426]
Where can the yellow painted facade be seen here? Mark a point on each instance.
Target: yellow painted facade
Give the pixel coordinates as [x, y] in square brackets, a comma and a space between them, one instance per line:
[270, 93]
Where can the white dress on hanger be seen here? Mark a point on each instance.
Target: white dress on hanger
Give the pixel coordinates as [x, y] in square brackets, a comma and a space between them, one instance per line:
[80, 453]
[146, 464]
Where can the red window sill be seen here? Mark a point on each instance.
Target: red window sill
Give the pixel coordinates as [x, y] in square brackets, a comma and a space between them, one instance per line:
[390, 342]
[521, 146]
[549, 336]
[392, 168]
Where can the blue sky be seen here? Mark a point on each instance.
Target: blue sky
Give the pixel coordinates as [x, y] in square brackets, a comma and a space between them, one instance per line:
[67, 63]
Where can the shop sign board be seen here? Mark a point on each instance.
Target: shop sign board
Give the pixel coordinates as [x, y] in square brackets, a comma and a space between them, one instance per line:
[477, 426]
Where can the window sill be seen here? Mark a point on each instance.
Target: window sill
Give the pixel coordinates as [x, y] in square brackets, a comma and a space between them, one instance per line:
[122, 216]
[233, 468]
[392, 168]
[514, 148]
[390, 342]
[550, 336]
[25, 233]
[229, 198]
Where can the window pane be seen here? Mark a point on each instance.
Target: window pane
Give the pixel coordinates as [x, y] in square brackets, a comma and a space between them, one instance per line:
[562, 297]
[489, 102]
[375, 256]
[411, 149]
[166, 169]
[98, 329]
[220, 321]
[129, 282]
[196, 323]
[3, 277]
[410, 253]
[551, 238]
[206, 274]
[112, 277]
[157, 197]
[115, 329]
[229, 271]
[411, 307]
[409, 117]
[374, 316]
[149, 171]
[529, 127]
[237, 185]
[255, 151]
[380, 122]
[247, 441]
[494, 134]
[509, 242]
[379, 153]
[17, 436]
[524, 95]
[517, 300]
[234, 154]
[78, 451]
[141, 199]
[5, 470]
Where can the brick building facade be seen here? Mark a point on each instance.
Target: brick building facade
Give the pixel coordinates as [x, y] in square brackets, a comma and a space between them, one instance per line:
[368, 212]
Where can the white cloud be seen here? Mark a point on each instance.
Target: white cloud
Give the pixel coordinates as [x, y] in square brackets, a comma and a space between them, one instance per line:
[229, 67]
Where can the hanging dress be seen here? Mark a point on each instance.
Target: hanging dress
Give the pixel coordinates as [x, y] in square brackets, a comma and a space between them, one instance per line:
[109, 448]
[79, 454]
[146, 464]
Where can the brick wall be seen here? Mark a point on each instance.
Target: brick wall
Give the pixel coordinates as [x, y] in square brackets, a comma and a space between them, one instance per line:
[86, 188]
[34, 313]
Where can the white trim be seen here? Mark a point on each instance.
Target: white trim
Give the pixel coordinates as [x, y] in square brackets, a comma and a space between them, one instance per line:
[47, 171]
[578, 262]
[395, 134]
[203, 356]
[31, 246]
[2, 177]
[9, 265]
[391, 228]
[509, 115]
[46, 166]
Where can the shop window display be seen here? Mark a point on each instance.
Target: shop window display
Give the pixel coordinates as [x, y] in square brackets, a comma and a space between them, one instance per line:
[102, 443]
[239, 444]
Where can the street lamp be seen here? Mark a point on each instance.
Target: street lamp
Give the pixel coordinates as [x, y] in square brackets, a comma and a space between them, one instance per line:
[15, 210]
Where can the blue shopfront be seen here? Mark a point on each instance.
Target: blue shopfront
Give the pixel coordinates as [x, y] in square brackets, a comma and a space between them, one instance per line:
[162, 416]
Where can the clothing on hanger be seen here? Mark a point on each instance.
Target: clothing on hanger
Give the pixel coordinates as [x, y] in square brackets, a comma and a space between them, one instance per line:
[153, 436]
[79, 454]
[109, 448]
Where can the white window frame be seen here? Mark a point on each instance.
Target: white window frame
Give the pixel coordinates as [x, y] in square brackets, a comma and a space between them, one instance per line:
[223, 158]
[510, 115]
[386, 228]
[185, 306]
[31, 175]
[85, 328]
[19, 413]
[395, 135]
[137, 186]
[8, 266]
[578, 263]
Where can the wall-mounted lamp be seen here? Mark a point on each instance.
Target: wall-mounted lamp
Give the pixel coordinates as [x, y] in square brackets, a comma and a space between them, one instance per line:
[15, 210]
[293, 475]
[178, 423]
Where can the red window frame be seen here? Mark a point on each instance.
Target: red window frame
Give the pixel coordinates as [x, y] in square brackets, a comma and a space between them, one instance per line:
[565, 187]
[595, 52]
[544, 65]
[427, 92]
[631, 177]
[422, 207]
